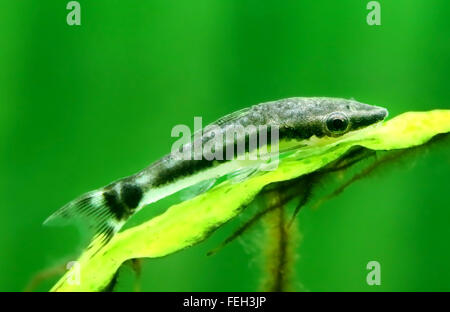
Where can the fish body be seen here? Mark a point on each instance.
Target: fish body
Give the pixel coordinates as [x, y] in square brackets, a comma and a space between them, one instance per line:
[298, 120]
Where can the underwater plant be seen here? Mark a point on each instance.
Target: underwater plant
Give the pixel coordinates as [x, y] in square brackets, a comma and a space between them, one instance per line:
[192, 221]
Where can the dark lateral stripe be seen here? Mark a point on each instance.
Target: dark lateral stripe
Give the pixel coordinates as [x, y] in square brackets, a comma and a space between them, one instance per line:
[185, 168]
[131, 195]
[114, 204]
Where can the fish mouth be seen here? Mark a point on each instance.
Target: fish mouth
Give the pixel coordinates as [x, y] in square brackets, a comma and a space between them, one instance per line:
[369, 117]
[379, 113]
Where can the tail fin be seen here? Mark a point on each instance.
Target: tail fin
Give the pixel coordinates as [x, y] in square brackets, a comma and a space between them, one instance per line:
[92, 210]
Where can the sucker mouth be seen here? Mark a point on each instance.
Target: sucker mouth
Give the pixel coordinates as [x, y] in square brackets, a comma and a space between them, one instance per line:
[371, 117]
[381, 113]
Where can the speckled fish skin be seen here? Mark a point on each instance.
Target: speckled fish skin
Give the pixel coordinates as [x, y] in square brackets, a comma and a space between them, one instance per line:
[106, 209]
[296, 118]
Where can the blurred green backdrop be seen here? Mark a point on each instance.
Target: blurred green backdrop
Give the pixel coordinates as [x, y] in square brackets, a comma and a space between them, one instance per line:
[81, 106]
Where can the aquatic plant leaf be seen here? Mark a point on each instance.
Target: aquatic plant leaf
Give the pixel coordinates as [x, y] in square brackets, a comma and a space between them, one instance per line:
[190, 222]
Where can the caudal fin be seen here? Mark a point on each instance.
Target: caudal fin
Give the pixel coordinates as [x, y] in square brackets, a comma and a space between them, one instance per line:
[91, 210]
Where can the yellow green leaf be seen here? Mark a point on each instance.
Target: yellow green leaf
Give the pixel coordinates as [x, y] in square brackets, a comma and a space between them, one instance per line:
[190, 222]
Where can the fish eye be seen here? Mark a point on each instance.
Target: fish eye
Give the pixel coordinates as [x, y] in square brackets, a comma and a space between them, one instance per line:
[337, 123]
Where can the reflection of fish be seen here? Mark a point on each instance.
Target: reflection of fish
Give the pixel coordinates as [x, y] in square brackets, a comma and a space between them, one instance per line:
[297, 120]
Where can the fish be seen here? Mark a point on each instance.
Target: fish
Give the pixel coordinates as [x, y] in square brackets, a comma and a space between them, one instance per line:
[296, 122]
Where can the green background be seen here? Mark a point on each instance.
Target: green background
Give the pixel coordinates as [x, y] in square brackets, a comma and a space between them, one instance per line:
[81, 106]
